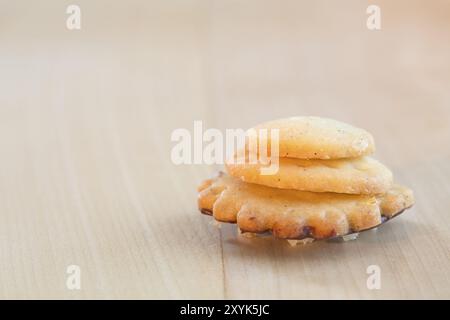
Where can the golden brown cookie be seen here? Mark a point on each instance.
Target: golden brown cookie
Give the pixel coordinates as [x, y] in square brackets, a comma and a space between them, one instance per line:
[318, 138]
[292, 214]
[362, 175]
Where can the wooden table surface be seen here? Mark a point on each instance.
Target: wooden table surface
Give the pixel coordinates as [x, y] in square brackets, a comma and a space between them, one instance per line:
[86, 115]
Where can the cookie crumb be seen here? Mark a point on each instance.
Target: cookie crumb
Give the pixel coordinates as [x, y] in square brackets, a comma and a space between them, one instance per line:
[247, 234]
[294, 243]
[350, 237]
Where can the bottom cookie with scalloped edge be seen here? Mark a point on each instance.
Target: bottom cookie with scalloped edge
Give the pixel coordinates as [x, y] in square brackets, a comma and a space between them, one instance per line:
[298, 215]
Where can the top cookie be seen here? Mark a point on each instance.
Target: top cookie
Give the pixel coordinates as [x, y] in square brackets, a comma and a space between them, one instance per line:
[319, 138]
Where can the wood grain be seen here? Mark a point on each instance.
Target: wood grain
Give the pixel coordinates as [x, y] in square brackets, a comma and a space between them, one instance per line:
[86, 116]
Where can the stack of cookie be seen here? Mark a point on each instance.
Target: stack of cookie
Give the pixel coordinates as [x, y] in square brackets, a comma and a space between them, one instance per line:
[326, 185]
